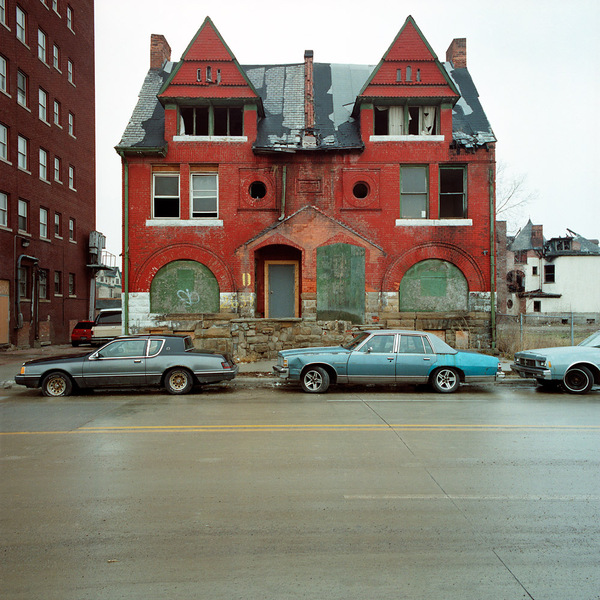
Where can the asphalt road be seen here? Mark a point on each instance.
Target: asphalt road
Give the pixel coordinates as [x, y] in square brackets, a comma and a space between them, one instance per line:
[258, 492]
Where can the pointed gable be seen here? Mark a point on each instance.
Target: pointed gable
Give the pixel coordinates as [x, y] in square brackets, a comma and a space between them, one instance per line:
[208, 69]
[409, 69]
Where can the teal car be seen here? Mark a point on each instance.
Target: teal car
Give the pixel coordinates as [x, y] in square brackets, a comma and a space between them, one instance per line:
[575, 368]
[387, 357]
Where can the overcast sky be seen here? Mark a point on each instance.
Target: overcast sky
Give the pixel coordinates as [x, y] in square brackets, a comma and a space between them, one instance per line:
[534, 62]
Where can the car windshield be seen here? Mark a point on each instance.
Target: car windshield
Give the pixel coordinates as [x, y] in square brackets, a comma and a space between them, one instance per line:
[593, 341]
[356, 341]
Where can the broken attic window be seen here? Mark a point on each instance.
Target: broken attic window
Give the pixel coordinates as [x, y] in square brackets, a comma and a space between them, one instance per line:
[211, 120]
[389, 120]
[209, 74]
[453, 200]
[228, 120]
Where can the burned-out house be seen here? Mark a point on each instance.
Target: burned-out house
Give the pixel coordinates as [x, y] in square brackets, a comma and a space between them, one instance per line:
[275, 204]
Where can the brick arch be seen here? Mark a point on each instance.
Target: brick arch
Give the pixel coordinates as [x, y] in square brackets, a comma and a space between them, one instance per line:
[143, 275]
[433, 250]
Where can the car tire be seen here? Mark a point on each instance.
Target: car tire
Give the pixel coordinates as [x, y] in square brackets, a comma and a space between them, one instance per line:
[57, 384]
[74, 344]
[578, 380]
[178, 381]
[445, 380]
[315, 380]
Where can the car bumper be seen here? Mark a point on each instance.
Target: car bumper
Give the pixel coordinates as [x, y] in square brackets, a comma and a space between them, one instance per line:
[27, 381]
[531, 372]
[282, 372]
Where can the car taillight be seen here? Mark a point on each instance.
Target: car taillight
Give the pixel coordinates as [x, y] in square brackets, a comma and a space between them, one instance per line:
[225, 365]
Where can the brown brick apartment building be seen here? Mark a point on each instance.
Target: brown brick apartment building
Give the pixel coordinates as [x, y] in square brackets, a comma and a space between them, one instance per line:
[47, 167]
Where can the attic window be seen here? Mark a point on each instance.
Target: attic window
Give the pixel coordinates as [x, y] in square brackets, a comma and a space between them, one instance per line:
[398, 74]
[408, 73]
[405, 120]
[418, 74]
[208, 74]
[199, 75]
[211, 120]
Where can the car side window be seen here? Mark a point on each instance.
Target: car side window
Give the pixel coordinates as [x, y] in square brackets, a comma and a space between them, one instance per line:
[411, 344]
[380, 343]
[123, 349]
[154, 347]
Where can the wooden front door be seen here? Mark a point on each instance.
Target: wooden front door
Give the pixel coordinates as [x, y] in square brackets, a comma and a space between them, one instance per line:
[281, 289]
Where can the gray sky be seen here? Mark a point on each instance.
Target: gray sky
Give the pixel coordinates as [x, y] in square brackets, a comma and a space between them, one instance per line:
[534, 62]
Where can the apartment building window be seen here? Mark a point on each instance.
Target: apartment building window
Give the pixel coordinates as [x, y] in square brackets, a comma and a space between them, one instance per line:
[22, 89]
[71, 124]
[3, 12]
[3, 209]
[21, 25]
[549, 274]
[57, 283]
[3, 142]
[70, 71]
[23, 221]
[165, 204]
[42, 46]
[3, 75]
[43, 105]
[57, 113]
[71, 230]
[453, 197]
[205, 196]
[71, 284]
[43, 164]
[44, 223]
[58, 225]
[57, 169]
[70, 17]
[55, 6]
[72, 177]
[56, 57]
[414, 197]
[24, 286]
[212, 120]
[23, 153]
[43, 284]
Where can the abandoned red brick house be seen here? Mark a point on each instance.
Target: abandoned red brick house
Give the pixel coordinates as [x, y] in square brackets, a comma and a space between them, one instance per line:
[269, 205]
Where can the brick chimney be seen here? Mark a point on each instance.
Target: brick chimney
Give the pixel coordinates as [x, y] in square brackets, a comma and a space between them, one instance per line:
[309, 102]
[457, 53]
[160, 51]
[537, 236]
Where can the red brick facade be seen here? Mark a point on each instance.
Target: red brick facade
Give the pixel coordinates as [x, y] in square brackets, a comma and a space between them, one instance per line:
[310, 199]
[47, 168]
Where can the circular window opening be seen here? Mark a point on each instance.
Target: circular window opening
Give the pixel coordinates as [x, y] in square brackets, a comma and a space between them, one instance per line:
[360, 190]
[258, 190]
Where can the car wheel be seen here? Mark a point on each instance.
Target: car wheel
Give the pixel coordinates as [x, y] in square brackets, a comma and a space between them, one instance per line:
[445, 380]
[315, 380]
[578, 380]
[178, 381]
[57, 384]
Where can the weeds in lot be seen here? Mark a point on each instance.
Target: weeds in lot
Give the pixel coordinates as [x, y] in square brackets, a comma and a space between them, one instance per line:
[511, 340]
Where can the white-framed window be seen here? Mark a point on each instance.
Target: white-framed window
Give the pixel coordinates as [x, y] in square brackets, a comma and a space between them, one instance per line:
[42, 46]
[55, 6]
[3, 12]
[57, 225]
[70, 17]
[3, 74]
[57, 113]
[165, 196]
[23, 210]
[71, 124]
[43, 284]
[24, 286]
[3, 142]
[21, 25]
[71, 284]
[43, 164]
[22, 88]
[70, 71]
[453, 192]
[43, 105]
[204, 191]
[72, 177]
[57, 283]
[57, 168]
[3, 209]
[56, 57]
[414, 194]
[23, 153]
[71, 230]
[44, 223]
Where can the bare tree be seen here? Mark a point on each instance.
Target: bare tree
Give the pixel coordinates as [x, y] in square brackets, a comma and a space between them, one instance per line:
[512, 196]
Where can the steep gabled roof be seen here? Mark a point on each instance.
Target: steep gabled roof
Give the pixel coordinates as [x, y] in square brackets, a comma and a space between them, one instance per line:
[208, 69]
[427, 79]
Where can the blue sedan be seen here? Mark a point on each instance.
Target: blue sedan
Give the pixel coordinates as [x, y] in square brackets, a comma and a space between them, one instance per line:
[385, 356]
[575, 368]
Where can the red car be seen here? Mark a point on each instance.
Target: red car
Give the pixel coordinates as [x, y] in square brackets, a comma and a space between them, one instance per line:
[82, 333]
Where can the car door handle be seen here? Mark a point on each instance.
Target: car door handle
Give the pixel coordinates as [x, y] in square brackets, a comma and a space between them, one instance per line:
[390, 358]
[137, 361]
[425, 358]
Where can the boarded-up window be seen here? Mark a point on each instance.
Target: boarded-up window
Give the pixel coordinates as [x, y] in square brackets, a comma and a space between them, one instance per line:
[184, 286]
[341, 283]
[434, 286]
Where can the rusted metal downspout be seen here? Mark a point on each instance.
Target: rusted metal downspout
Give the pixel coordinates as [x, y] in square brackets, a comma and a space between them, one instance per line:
[492, 258]
[125, 299]
[283, 185]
